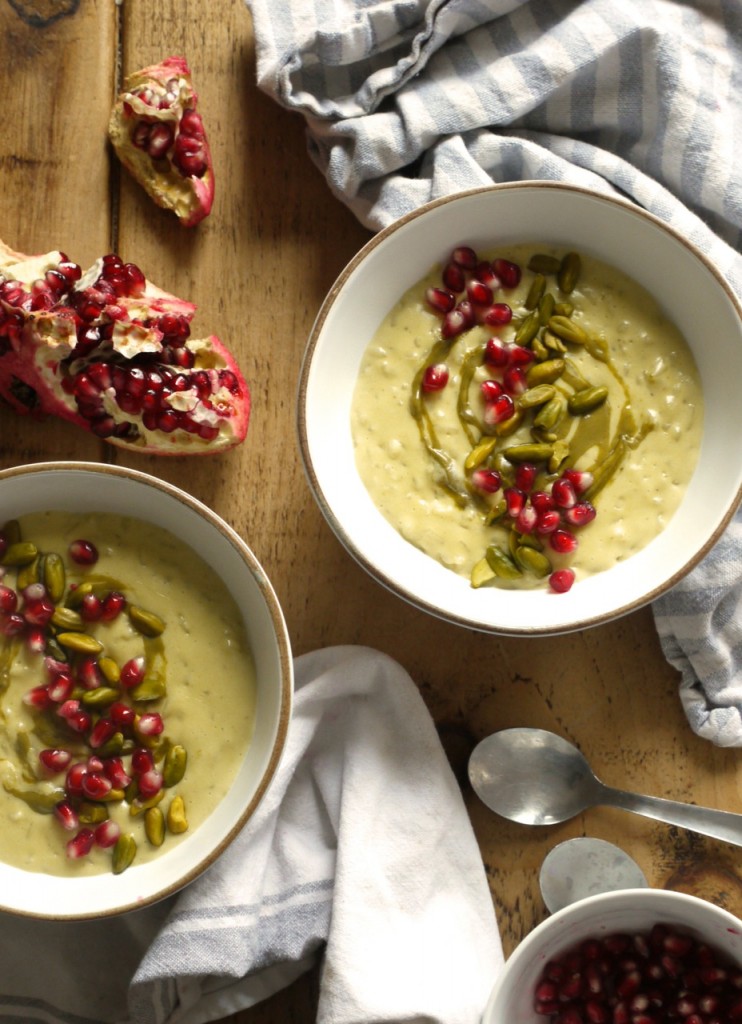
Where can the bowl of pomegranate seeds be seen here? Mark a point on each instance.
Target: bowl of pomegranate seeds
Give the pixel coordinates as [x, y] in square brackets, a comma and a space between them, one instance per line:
[516, 407]
[146, 681]
[639, 956]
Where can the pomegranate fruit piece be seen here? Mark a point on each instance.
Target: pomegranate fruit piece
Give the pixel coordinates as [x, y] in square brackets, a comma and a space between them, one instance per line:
[159, 136]
[112, 353]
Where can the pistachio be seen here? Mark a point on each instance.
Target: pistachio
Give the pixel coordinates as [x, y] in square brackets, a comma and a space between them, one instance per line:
[553, 343]
[480, 452]
[110, 670]
[539, 395]
[510, 425]
[561, 451]
[124, 853]
[568, 330]
[546, 308]
[535, 292]
[100, 697]
[154, 826]
[91, 813]
[481, 573]
[539, 349]
[138, 806]
[546, 372]
[174, 766]
[497, 511]
[528, 329]
[176, 815]
[115, 745]
[55, 576]
[501, 563]
[21, 552]
[83, 643]
[569, 272]
[145, 622]
[67, 618]
[542, 263]
[564, 308]
[586, 400]
[150, 688]
[551, 414]
[532, 560]
[529, 451]
[28, 574]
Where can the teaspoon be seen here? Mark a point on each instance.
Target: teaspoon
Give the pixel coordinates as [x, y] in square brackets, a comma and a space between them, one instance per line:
[537, 778]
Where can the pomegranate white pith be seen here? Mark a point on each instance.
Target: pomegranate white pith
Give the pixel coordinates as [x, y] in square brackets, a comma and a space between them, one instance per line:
[112, 353]
[159, 136]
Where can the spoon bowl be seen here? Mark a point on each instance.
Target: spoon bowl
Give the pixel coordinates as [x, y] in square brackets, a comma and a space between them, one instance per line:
[535, 777]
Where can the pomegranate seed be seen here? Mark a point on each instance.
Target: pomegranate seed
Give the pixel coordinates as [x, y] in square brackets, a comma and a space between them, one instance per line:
[491, 389]
[159, 140]
[563, 541]
[487, 480]
[60, 687]
[121, 714]
[464, 256]
[149, 724]
[94, 763]
[8, 599]
[106, 834]
[55, 759]
[191, 123]
[479, 293]
[563, 493]
[114, 770]
[580, 514]
[141, 761]
[496, 353]
[509, 273]
[81, 844]
[499, 410]
[132, 672]
[95, 785]
[498, 314]
[89, 674]
[36, 640]
[68, 708]
[520, 356]
[525, 476]
[435, 377]
[561, 580]
[514, 380]
[485, 273]
[38, 698]
[84, 552]
[91, 608]
[542, 501]
[457, 321]
[66, 815]
[101, 732]
[526, 519]
[150, 783]
[453, 278]
[113, 604]
[581, 480]
[548, 520]
[440, 299]
[12, 625]
[515, 500]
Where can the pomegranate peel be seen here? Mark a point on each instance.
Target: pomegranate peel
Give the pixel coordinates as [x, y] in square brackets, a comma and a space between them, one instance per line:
[159, 136]
[111, 352]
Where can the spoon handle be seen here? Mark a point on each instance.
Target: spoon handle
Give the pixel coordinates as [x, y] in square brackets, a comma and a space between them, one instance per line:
[723, 825]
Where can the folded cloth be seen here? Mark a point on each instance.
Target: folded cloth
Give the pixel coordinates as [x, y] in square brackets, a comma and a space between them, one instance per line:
[406, 101]
[361, 852]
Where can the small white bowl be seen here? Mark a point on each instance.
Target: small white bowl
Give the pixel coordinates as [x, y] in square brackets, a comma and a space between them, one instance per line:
[87, 487]
[632, 911]
[682, 281]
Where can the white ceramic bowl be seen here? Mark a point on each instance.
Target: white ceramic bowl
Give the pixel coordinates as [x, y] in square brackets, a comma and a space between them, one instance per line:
[686, 286]
[91, 487]
[632, 910]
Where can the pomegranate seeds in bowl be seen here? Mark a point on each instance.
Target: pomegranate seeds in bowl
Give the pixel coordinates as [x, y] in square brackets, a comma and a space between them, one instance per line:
[112, 353]
[159, 136]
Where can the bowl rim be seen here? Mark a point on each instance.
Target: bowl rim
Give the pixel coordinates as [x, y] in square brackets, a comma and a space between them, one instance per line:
[286, 669]
[416, 599]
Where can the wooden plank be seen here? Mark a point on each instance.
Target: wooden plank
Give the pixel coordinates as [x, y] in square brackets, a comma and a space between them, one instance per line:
[59, 63]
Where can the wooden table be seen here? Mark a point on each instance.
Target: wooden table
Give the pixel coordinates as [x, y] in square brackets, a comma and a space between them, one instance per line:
[258, 269]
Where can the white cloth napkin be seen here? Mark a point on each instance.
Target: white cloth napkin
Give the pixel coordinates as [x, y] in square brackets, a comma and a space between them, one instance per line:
[361, 853]
[409, 100]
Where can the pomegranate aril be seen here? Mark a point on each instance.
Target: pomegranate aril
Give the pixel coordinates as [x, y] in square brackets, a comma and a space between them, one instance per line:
[515, 500]
[514, 380]
[81, 844]
[525, 476]
[491, 389]
[159, 140]
[580, 514]
[479, 293]
[563, 542]
[563, 493]
[454, 278]
[520, 356]
[440, 299]
[141, 760]
[66, 815]
[526, 519]
[88, 674]
[149, 724]
[132, 672]
[83, 552]
[435, 377]
[112, 605]
[581, 480]
[95, 785]
[487, 480]
[464, 256]
[8, 599]
[561, 580]
[499, 410]
[508, 272]
[498, 314]
[37, 697]
[548, 521]
[189, 156]
[55, 759]
[116, 771]
[122, 714]
[107, 834]
[91, 608]
[101, 732]
[497, 353]
[150, 783]
[458, 320]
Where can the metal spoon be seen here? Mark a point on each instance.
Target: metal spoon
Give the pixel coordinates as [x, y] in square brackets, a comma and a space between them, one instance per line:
[537, 778]
[583, 867]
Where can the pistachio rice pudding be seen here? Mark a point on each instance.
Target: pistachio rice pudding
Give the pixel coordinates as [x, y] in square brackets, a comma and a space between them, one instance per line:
[528, 418]
[127, 692]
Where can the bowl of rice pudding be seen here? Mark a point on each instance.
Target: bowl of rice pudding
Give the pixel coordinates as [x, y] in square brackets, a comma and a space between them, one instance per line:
[146, 681]
[516, 407]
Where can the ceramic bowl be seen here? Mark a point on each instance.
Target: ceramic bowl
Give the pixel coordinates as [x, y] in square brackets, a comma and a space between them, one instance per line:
[97, 488]
[688, 288]
[630, 911]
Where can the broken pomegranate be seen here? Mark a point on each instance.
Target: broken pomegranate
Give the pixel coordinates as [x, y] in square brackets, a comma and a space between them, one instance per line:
[159, 136]
[111, 352]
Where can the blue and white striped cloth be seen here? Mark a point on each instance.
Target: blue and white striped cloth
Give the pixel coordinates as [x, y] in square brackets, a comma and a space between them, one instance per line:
[409, 100]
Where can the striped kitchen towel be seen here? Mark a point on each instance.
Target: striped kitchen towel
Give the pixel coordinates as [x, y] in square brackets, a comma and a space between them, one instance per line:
[361, 852]
[409, 100]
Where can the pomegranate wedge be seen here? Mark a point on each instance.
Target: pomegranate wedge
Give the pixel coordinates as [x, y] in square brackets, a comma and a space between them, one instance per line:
[111, 352]
[159, 136]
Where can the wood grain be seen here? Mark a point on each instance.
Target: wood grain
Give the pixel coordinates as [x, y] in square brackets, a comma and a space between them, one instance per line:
[258, 268]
